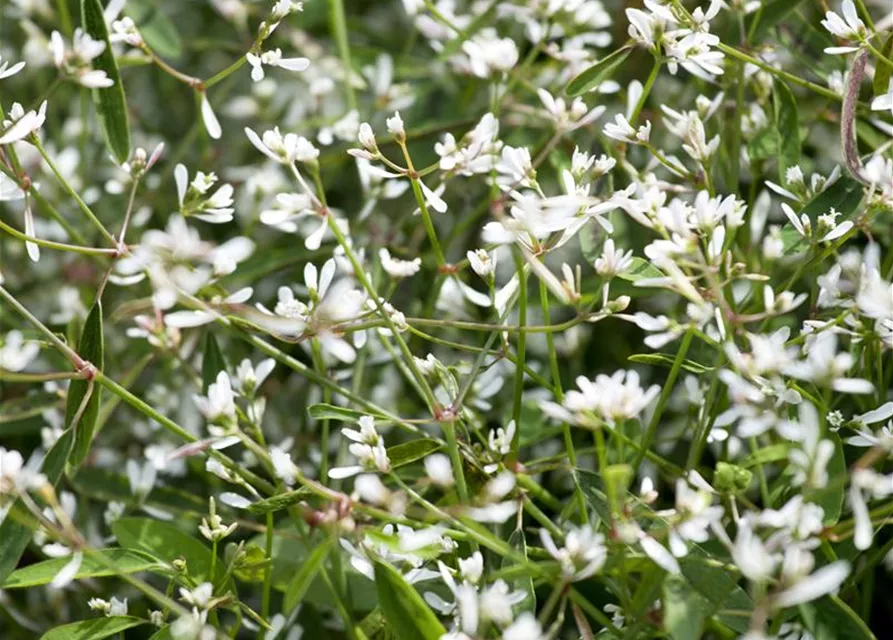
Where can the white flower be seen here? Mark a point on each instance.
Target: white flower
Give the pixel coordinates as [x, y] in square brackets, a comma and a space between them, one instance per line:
[440, 470]
[751, 556]
[199, 597]
[397, 268]
[283, 149]
[850, 27]
[16, 353]
[395, 126]
[218, 406]
[613, 262]
[6, 71]
[622, 130]
[488, 53]
[825, 366]
[20, 125]
[614, 398]
[274, 58]
[285, 469]
[482, 262]
[584, 552]
[525, 627]
[248, 378]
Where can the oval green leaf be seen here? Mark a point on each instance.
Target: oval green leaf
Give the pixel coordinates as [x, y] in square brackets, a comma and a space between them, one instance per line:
[599, 72]
[90, 349]
[126, 561]
[110, 102]
[166, 542]
[409, 452]
[93, 629]
[299, 585]
[787, 127]
[403, 607]
[16, 535]
[213, 361]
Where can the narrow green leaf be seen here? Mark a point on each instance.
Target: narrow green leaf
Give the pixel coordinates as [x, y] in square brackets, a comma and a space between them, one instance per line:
[639, 270]
[166, 542]
[110, 102]
[884, 70]
[765, 455]
[831, 498]
[299, 585]
[93, 629]
[524, 583]
[786, 127]
[831, 619]
[409, 452]
[845, 196]
[213, 361]
[404, 608]
[663, 360]
[323, 411]
[684, 609]
[602, 70]
[279, 502]
[90, 349]
[125, 560]
[15, 535]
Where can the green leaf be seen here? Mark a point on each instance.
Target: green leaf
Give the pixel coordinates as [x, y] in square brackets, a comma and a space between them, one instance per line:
[831, 619]
[404, 608]
[93, 629]
[718, 587]
[845, 196]
[90, 349]
[884, 70]
[164, 633]
[641, 269]
[684, 609]
[786, 127]
[773, 12]
[323, 411]
[299, 585]
[16, 535]
[158, 30]
[108, 486]
[602, 70]
[663, 360]
[110, 102]
[831, 498]
[125, 560]
[408, 452]
[166, 542]
[524, 583]
[213, 361]
[765, 455]
[279, 502]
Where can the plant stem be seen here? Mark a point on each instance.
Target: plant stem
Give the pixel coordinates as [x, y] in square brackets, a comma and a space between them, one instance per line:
[521, 351]
[339, 31]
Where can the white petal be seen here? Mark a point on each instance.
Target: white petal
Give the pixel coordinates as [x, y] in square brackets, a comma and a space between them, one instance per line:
[211, 123]
[181, 177]
[68, 572]
[824, 581]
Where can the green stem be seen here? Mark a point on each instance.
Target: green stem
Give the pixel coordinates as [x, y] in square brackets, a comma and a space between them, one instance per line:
[646, 91]
[664, 397]
[268, 572]
[339, 29]
[520, 350]
[70, 191]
